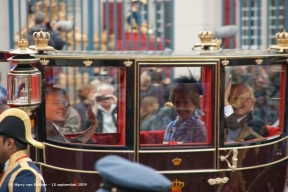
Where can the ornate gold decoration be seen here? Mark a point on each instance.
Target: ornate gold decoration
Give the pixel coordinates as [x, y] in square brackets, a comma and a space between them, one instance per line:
[282, 42]
[218, 180]
[128, 63]
[259, 61]
[206, 41]
[234, 159]
[169, 104]
[23, 44]
[41, 39]
[176, 186]
[44, 61]
[176, 161]
[87, 63]
[217, 41]
[23, 49]
[225, 62]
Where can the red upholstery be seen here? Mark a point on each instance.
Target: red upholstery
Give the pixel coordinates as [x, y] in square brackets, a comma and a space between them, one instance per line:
[156, 137]
[100, 138]
[152, 137]
[272, 130]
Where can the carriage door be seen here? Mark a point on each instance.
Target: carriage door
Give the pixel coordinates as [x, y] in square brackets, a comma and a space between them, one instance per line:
[183, 151]
[252, 149]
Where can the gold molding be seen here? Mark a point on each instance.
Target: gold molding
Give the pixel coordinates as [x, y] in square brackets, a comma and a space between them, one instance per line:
[176, 161]
[88, 150]
[176, 151]
[259, 61]
[225, 62]
[87, 63]
[167, 172]
[177, 185]
[218, 181]
[234, 159]
[128, 63]
[256, 146]
[65, 169]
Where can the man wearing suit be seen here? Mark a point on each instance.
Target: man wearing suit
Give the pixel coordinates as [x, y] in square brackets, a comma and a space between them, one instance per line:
[56, 113]
[241, 124]
[20, 173]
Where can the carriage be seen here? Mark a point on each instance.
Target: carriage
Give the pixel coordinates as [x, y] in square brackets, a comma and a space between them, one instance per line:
[257, 165]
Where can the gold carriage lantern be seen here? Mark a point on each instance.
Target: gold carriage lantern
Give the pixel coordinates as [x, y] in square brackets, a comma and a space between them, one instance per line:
[24, 80]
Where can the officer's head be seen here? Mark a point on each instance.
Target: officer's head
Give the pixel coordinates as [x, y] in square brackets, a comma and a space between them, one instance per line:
[15, 133]
[122, 175]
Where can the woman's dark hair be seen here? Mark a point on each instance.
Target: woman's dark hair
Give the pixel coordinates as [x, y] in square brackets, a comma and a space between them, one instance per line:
[187, 85]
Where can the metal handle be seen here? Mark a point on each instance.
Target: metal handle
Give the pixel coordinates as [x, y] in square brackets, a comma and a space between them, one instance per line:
[234, 159]
[218, 180]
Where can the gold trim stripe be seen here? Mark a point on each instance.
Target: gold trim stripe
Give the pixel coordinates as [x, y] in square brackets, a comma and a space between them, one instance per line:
[256, 146]
[88, 150]
[177, 151]
[64, 169]
[167, 172]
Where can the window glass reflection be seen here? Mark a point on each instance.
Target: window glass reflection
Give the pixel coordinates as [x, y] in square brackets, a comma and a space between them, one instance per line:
[251, 103]
[85, 109]
[173, 111]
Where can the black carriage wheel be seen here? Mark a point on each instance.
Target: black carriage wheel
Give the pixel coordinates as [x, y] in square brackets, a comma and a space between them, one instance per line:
[270, 179]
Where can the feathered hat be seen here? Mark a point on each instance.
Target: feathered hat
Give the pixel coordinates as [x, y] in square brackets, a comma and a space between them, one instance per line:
[16, 124]
[185, 82]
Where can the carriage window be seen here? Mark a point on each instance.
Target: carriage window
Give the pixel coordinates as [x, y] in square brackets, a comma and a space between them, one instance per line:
[84, 108]
[175, 106]
[252, 103]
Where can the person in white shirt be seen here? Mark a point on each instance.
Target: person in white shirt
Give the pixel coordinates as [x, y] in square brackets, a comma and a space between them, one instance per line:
[56, 113]
[238, 105]
[105, 108]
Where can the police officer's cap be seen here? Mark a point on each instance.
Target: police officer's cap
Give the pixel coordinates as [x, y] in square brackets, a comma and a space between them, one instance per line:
[16, 124]
[125, 175]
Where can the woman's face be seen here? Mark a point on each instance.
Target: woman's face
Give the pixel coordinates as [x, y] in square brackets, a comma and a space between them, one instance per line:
[184, 106]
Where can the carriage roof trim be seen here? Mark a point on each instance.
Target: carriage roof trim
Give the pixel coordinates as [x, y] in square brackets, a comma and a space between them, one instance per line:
[111, 55]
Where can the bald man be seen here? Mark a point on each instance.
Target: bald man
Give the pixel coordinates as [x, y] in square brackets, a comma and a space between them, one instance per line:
[241, 124]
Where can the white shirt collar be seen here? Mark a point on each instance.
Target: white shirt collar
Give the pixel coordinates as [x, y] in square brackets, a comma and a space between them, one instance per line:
[56, 126]
[6, 165]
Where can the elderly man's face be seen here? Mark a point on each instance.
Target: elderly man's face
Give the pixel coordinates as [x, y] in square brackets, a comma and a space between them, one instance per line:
[241, 101]
[56, 107]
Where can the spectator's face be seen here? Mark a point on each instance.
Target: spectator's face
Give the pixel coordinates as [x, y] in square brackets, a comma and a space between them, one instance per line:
[56, 107]
[184, 106]
[106, 103]
[241, 101]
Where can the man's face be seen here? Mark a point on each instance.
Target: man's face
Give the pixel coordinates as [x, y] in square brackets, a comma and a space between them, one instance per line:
[3, 150]
[107, 102]
[241, 101]
[56, 107]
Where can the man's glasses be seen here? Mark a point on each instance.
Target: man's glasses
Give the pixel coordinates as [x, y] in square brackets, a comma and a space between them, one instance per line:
[59, 103]
[240, 99]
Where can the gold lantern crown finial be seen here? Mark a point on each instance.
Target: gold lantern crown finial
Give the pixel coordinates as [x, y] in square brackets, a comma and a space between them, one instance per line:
[23, 44]
[206, 36]
[41, 39]
[176, 186]
[207, 41]
[282, 38]
[282, 42]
